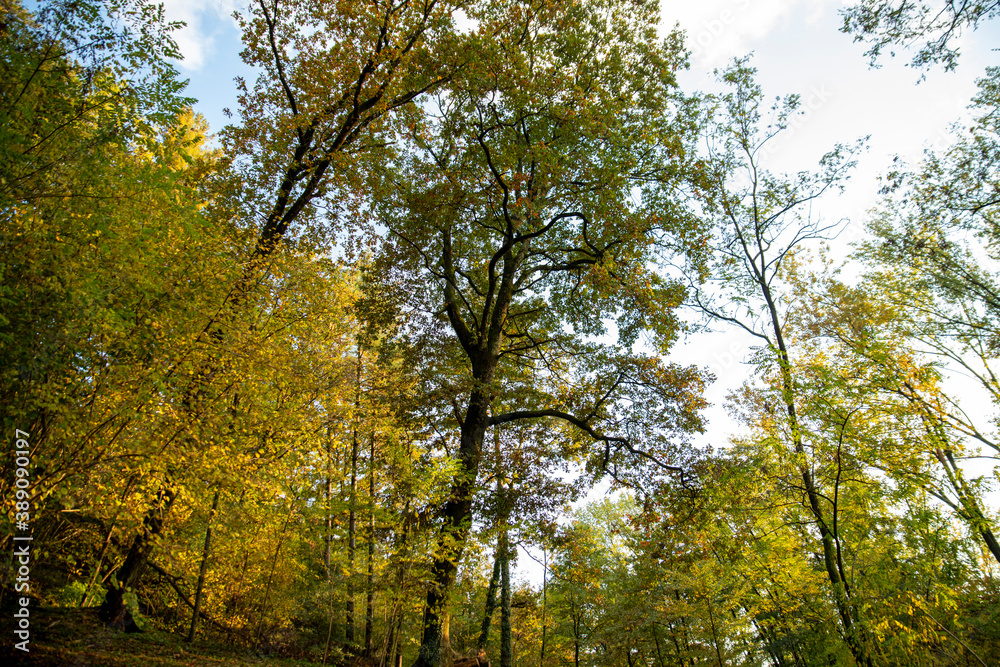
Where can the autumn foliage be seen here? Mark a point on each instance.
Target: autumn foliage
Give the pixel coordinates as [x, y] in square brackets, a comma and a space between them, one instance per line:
[314, 386]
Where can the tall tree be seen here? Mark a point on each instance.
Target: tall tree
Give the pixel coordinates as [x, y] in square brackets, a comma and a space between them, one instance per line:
[759, 225]
[72, 121]
[516, 217]
[933, 259]
[331, 86]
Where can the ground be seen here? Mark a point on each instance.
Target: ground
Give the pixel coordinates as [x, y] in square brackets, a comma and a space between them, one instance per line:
[75, 638]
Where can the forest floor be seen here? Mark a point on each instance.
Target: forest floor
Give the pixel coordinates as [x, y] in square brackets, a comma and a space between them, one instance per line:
[75, 638]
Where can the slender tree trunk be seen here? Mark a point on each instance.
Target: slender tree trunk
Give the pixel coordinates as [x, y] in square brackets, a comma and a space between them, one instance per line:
[352, 519]
[204, 567]
[394, 625]
[370, 581]
[506, 654]
[715, 634]
[576, 620]
[270, 576]
[685, 635]
[491, 601]
[447, 657]
[397, 652]
[329, 626]
[113, 609]
[656, 644]
[328, 537]
[545, 587]
[328, 492]
[677, 645]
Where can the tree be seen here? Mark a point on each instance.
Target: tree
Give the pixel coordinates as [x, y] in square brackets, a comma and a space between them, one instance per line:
[932, 256]
[515, 218]
[71, 116]
[331, 84]
[862, 381]
[334, 84]
[579, 570]
[759, 225]
[884, 24]
[106, 254]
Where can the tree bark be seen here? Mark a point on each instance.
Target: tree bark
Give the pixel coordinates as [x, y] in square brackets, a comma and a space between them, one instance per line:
[328, 492]
[506, 654]
[390, 643]
[545, 589]
[352, 519]
[370, 581]
[113, 610]
[491, 601]
[575, 617]
[457, 520]
[447, 657]
[204, 567]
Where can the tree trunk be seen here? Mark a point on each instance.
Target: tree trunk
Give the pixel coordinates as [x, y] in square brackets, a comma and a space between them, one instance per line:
[545, 587]
[352, 517]
[457, 519]
[715, 634]
[575, 618]
[390, 642]
[483, 352]
[370, 581]
[447, 657]
[506, 654]
[830, 540]
[491, 601]
[204, 567]
[113, 611]
[328, 491]
[270, 576]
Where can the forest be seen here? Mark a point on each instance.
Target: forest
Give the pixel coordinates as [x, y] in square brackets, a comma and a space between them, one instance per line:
[313, 387]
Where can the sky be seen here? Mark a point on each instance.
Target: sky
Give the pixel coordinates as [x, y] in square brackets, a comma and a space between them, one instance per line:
[797, 48]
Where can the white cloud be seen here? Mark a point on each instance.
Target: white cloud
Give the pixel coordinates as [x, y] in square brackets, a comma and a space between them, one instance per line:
[196, 40]
[719, 30]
